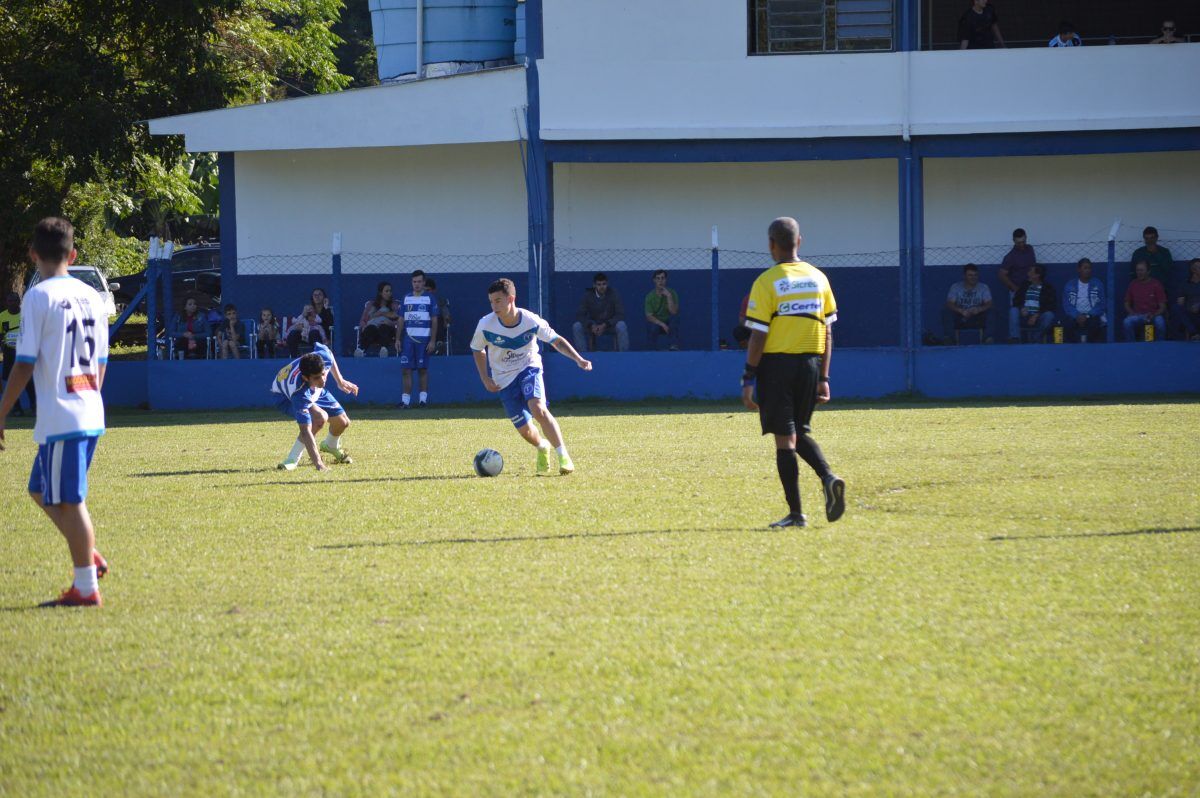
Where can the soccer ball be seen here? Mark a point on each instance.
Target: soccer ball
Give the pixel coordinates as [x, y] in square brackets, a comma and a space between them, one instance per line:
[488, 463]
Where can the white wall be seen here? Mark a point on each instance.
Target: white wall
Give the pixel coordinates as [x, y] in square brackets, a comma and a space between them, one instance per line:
[843, 207]
[1060, 198]
[465, 199]
[679, 69]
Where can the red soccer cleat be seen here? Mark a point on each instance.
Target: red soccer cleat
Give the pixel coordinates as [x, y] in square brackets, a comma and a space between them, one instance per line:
[72, 598]
[100, 563]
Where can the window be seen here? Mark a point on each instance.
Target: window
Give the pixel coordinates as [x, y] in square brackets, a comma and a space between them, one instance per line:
[821, 26]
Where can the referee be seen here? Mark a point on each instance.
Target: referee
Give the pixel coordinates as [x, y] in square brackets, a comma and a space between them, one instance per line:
[790, 312]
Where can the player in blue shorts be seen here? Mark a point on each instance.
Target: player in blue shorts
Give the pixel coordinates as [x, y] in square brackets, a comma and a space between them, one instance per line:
[505, 346]
[415, 337]
[63, 347]
[301, 395]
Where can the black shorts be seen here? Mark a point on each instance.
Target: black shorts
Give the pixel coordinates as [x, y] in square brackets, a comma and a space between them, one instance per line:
[787, 393]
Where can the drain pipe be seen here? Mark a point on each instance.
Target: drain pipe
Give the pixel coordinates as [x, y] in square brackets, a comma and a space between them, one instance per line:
[420, 39]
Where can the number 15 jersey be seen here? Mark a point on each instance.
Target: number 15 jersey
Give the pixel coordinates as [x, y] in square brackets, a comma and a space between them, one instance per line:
[64, 334]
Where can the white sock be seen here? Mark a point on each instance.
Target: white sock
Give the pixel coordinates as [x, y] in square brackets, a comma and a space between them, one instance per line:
[543, 444]
[562, 450]
[85, 580]
[424, 397]
[294, 454]
[333, 441]
[406, 398]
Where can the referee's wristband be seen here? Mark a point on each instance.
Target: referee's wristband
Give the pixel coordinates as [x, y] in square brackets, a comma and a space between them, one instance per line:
[822, 379]
[749, 376]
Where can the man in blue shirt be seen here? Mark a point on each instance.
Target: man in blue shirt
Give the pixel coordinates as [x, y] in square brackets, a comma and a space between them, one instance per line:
[416, 337]
[1083, 306]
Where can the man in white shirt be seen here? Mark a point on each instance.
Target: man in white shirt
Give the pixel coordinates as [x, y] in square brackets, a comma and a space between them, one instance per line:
[63, 347]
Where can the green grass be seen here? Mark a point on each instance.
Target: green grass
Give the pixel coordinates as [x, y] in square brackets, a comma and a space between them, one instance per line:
[1009, 607]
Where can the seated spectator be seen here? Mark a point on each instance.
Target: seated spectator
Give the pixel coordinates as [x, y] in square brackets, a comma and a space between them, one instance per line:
[1187, 305]
[967, 305]
[1158, 258]
[306, 329]
[268, 333]
[1168, 34]
[190, 330]
[230, 335]
[377, 327]
[662, 312]
[978, 27]
[442, 345]
[321, 303]
[1067, 37]
[600, 313]
[1033, 306]
[1145, 302]
[1083, 306]
[741, 333]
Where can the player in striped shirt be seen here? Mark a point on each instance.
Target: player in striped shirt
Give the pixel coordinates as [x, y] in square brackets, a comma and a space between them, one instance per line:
[415, 337]
[300, 392]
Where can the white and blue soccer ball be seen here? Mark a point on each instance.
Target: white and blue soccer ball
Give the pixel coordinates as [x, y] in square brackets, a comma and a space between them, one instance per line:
[488, 463]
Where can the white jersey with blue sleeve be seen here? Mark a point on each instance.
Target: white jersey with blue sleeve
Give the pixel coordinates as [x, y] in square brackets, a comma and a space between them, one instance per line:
[418, 313]
[288, 380]
[64, 334]
[512, 349]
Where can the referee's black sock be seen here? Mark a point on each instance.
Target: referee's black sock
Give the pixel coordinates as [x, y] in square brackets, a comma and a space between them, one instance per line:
[789, 476]
[807, 448]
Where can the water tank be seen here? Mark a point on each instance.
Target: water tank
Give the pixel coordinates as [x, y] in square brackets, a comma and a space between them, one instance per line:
[519, 47]
[454, 30]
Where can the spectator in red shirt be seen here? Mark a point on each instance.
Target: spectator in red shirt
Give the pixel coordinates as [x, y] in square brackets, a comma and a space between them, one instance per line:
[1145, 302]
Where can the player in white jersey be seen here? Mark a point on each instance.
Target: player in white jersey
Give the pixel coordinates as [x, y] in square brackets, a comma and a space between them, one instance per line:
[300, 394]
[415, 338]
[63, 347]
[505, 346]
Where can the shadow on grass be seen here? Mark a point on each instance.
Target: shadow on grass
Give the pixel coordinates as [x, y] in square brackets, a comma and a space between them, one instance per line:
[422, 478]
[370, 544]
[1129, 533]
[197, 472]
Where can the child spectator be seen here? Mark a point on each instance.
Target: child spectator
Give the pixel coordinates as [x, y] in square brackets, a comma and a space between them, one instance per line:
[1067, 37]
[10, 331]
[230, 335]
[268, 333]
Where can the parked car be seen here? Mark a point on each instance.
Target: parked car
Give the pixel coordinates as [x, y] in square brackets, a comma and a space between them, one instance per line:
[195, 272]
[93, 277]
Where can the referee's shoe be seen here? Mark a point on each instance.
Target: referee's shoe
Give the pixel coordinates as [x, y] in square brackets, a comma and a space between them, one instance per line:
[835, 497]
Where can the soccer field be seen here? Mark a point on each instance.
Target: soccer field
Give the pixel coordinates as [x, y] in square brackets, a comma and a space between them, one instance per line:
[1009, 607]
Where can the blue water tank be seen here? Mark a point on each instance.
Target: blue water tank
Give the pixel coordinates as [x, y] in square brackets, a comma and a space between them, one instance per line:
[519, 46]
[455, 30]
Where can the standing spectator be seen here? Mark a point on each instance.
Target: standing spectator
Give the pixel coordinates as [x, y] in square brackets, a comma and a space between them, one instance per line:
[190, 330]
[1033, 306]
[662, 312]
[1145, 302]
[320, 302]
[415, 338]
[1168, 34]
[979, 28]
[1187, 305]
[380, 317]
[1158, 258]
[305, 329]
[442, 343]
[268, 333]
[1014, 269]
[1067, 37]
[230, 335]
[1083, 306]
[600, 313]
[10, 331]
[967, 305]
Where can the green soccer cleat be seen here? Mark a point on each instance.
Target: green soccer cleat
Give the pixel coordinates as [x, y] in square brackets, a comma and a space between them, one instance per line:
[339, 455]
[543, 462]
[565, 466]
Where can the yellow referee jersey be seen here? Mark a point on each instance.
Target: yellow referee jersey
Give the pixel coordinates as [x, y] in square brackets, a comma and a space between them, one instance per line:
[792, 303]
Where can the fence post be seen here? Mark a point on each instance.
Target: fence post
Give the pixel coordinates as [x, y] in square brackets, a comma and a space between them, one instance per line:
[716, 288]
[340, 330]
[1111, 327]
[167, 278]
[151, 290]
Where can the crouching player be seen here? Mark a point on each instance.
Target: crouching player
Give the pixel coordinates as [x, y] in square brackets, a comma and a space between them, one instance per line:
[63, 346]
[300, 386]
[506, 339]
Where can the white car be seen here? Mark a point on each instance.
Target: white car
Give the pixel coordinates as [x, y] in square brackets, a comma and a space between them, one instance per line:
[93, 277]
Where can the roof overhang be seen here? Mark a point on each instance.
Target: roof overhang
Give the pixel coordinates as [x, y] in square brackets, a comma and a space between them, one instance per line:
[472, 108]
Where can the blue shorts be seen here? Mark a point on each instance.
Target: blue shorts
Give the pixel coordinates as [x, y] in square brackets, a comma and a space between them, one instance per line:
[413, 354]
[516, 395]
[60, 470]
[296, 408]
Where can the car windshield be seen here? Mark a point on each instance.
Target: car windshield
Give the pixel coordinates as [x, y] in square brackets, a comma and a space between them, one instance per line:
[91, 277]
[189, 260]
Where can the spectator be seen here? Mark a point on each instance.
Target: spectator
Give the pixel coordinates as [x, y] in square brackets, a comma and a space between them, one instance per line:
[1033, 306]
[1187, 305]
[442, 346]
[662, 312]
[415, 339]
[1145, 302]
[967, 305]
[305, 329]
[10, 330]
[377, 327]
[741, 333]
[1168, 34]
[600, 313]
[321, 303]
[190, 330]
[1067, 37]
[1158, 258]
[979, 28]
[1083, 306]
[268, 333]
[1014, 269]
[230, 335]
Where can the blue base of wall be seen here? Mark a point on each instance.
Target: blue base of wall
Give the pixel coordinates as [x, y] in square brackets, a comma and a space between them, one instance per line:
[939, 372]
